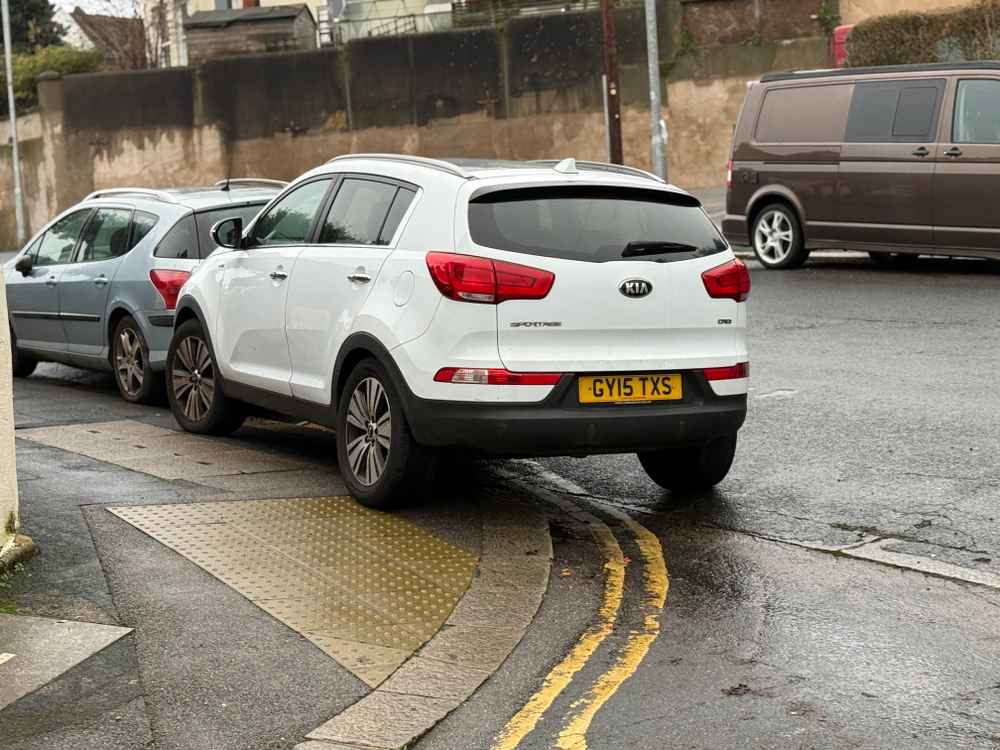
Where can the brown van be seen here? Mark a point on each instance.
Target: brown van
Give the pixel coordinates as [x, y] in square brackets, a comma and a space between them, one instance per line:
[897, 161]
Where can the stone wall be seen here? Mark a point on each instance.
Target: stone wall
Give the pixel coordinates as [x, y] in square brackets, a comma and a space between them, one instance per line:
[528, 90]
[853, 11]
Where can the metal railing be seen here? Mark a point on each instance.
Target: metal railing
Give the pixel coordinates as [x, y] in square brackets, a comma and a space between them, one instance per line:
[368, 18]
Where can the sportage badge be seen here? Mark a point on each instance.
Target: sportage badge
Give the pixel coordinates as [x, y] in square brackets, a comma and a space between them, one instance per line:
[635, 288]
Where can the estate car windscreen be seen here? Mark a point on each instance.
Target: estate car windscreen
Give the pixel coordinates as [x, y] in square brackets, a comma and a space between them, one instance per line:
[594, 224]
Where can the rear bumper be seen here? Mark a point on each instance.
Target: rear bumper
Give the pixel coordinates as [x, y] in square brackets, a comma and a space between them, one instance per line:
[560, 426]
[734, 227]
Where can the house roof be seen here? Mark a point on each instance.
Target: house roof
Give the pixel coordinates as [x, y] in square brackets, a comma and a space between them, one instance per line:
[121, 40]
[221, 18]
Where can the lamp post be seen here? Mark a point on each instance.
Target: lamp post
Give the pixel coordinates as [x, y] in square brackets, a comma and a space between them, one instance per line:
[15, 156]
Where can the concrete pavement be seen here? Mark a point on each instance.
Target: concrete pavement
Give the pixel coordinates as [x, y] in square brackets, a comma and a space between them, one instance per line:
[870, 429]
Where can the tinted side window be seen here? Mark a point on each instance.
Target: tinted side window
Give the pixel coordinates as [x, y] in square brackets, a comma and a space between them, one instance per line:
[902, 111]
[402, 201]
[289, 221]
[106, 235]
[977, 112]
[808, 114]
[916, 114]
[142, 224]
[181, 241]
[358, 212]
[59, 241]
[207, 219]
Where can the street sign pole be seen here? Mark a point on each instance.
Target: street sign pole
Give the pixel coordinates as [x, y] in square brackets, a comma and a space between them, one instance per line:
[658, 129]
[611, 84]
[15, 156]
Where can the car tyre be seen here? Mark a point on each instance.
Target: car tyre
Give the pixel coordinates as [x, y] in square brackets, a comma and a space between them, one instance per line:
[382, 464]
[137, 382]
[777, 238]
[21, 365]
[892, 260]
[194, 385]
[691, 468]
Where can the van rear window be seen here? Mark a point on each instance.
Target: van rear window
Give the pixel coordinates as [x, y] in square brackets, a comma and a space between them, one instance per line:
[594, 224]
[804, 114]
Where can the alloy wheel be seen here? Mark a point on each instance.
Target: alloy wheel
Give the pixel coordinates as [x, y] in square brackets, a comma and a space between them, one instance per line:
[193, 378]
[129, 363]
[773, 237]
[369, 431]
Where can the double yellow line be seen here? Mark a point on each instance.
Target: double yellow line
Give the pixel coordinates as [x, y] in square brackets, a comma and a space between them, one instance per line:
[655, 584]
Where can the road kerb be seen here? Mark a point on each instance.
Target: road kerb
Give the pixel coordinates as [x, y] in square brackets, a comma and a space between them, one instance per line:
[464, 653]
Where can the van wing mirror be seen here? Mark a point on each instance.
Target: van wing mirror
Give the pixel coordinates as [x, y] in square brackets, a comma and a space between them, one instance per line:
[228, 233]
[24, 265]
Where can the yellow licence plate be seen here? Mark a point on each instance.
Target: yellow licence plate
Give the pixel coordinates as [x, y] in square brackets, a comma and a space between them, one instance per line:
[613, 389]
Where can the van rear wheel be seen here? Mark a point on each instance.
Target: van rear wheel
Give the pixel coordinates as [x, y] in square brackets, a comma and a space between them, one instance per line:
[777, 238]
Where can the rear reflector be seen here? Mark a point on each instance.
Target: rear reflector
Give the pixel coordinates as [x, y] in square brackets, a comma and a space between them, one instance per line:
[468, 278]
[168, 283]
[733, 372]
[729, 281]
[490, 376]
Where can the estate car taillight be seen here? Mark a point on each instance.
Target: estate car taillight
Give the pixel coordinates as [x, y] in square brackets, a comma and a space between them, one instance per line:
[468, 278]
[168, 283]
[729, 174]
[494, 376]
[729, 281]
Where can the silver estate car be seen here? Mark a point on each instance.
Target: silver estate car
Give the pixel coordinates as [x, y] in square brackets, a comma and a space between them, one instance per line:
[96, 287]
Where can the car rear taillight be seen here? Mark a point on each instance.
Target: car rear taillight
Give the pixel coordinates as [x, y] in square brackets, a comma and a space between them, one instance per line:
[493, 376]
[729, 281]
[732, 372]
[468, 278]
[168, 283]
[729, 174]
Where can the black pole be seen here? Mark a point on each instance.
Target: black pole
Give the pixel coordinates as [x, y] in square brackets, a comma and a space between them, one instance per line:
[611, 73]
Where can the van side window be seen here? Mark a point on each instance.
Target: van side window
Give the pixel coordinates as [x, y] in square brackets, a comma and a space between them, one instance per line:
[894, 111]
[977, 112]
[803, 114]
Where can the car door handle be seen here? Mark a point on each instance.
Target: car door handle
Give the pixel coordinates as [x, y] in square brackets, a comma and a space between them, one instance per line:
[278, 275]
[101, 281]
[921, 152]
[359, 278]
[51, 281]
[954, 152]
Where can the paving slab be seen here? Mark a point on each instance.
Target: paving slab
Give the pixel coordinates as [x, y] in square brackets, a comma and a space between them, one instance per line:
[40, 649]
[384, 720]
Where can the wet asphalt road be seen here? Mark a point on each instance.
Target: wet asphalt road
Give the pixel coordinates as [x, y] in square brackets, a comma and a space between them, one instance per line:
[873, 412]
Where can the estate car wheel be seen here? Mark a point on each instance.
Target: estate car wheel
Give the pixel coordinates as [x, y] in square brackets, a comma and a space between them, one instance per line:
[194, 386]
[892, 260]
[777, 238]
[136, 380]
[691, 468]
[382, 464]
[21, 365]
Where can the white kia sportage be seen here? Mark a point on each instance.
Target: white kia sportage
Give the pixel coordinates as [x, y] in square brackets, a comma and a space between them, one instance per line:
[516, 309]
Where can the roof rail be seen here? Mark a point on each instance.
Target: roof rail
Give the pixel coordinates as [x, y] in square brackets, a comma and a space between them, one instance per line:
[787, 75]
[439, 164]
[252, 181]
[600, 166]
[160, 195]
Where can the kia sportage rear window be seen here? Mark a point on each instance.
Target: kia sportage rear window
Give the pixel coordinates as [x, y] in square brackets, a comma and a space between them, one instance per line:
[594, 224]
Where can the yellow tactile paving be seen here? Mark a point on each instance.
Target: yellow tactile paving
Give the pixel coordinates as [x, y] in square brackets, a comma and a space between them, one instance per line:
[367, 588]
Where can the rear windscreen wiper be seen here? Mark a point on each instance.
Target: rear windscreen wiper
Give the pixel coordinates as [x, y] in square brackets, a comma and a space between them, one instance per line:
[645, 247]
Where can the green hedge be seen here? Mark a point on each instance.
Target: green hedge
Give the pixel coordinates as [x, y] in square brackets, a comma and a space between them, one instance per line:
[27, 68]
[971, 33]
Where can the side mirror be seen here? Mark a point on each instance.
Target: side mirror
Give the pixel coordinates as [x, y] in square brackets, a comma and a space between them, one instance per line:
[228, 233]
[24, 265]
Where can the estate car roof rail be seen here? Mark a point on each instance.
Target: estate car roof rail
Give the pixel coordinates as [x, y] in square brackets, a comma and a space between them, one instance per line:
[252, 181]
[788, 75]
[422, 161]
[160, 195]
[600, 166]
